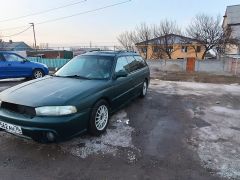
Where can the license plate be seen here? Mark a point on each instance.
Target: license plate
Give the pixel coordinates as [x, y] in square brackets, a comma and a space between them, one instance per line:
[11, 128]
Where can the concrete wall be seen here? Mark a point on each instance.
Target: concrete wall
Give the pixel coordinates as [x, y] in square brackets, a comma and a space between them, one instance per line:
[227, 66]
[167, 65]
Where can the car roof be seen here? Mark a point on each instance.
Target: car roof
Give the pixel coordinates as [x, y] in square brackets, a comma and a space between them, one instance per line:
[8, 52]
[112, 53]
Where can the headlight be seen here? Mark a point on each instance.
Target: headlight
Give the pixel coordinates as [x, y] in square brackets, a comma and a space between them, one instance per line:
[55, 110]
[0, 103]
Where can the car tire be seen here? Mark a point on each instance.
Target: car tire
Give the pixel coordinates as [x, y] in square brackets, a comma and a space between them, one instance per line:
[99, 118]
[144, 89]
[37, 73]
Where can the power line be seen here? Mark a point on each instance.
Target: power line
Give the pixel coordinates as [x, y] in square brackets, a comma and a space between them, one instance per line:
[16, 34]
[11, 28]
[85, 12]
[43, 12]
[77, 14]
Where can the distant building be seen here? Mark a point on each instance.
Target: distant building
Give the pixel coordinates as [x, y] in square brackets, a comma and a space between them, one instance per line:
[51, 54]
[232, 19]
[79, 51]
[180, 47]
[14, 46]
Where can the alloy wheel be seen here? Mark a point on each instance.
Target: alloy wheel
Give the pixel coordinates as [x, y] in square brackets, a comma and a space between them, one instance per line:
[38, 74]
[101, 118]
[144, 90]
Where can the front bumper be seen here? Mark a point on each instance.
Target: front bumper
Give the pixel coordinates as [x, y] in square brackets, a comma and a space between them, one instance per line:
[62, 127]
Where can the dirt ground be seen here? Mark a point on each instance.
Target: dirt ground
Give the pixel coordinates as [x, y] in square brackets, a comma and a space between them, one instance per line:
[181, 130]
[195, 77]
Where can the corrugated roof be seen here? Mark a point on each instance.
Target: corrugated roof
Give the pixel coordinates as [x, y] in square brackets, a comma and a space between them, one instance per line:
[177, 39]
[14, 46]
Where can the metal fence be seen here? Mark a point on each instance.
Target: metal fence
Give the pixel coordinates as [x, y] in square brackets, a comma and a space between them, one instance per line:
[51, 63]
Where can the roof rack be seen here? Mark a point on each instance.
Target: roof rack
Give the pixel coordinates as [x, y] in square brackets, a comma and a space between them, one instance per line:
[122, 51]
[116, 51]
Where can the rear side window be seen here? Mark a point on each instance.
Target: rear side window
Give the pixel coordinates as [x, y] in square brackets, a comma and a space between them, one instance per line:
[141, 62]
[12, 57]
[122, 64]
[133, 63]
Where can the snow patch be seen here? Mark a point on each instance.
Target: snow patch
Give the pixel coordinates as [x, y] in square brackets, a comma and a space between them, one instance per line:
[218, 141]
[118, 135]
[218, 145]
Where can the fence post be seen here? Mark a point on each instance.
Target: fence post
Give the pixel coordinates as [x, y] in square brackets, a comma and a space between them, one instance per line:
[236, 64]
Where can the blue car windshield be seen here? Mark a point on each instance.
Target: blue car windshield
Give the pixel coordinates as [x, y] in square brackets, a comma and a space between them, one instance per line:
[88, 67]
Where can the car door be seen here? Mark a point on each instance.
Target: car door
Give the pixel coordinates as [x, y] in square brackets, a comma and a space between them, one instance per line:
[121, 87]
[137, 73]
[3, 66]
[16, 66]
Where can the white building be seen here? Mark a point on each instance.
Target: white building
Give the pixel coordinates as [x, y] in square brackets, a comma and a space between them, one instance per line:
[232, 19]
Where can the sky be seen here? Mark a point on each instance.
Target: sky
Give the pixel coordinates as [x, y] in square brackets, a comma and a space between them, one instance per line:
[98, 27]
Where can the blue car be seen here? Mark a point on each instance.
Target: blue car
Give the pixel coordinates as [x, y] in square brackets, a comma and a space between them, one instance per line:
[13, 65]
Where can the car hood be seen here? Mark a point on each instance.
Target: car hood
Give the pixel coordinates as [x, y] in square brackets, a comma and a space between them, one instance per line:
[39, 64]
[50, 91]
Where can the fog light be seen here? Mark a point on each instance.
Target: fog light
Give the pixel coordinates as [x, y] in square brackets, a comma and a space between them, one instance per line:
[50, 136]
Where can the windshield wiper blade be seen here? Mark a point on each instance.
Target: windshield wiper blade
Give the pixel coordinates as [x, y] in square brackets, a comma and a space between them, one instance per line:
[76, 76]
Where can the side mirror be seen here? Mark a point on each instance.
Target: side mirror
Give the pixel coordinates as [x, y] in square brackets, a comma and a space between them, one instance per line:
[25, 60]
[121, 73]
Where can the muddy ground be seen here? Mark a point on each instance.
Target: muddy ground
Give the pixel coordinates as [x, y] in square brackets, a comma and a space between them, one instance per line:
[195, 77]
[176, 132]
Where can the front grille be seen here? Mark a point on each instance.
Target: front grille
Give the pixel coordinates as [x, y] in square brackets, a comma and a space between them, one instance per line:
[26, 110]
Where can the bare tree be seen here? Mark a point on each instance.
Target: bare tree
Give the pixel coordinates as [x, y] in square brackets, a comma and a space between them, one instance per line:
[126, 40]
[227, 41]
[207, 31]
[193, 44]
[141, 37]
[165, 38]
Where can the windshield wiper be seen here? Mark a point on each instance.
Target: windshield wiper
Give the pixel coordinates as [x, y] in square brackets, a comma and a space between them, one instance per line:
[75, 76]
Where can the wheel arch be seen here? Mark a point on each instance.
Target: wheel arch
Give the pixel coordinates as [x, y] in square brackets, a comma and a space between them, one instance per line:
[103, 98]
[147, 80]
[38, 68]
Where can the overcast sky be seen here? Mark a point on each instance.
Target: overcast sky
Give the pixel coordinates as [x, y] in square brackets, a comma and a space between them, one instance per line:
[100, 27]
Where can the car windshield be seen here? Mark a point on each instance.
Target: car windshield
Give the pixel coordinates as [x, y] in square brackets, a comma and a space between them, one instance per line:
[87, 67]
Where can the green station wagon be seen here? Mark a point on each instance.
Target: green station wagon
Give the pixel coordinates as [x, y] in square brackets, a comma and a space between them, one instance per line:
[79, 97]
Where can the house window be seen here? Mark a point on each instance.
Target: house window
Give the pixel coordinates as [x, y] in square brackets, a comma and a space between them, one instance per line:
[184, 49]
[170, 49]
[198, 49]
[143, 49]
[156, 49]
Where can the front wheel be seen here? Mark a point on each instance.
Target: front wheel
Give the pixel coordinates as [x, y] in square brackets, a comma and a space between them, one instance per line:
[99, 118]
[37, 73]
[144, 89]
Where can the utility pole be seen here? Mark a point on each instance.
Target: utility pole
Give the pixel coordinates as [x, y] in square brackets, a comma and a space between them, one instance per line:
[34, 34]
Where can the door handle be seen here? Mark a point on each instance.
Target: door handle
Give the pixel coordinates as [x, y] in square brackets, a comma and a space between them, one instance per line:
[9, 64]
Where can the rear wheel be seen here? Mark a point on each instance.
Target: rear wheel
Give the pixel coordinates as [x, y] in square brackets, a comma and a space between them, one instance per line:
[37, 73]
[99, 118]
[144, 89]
